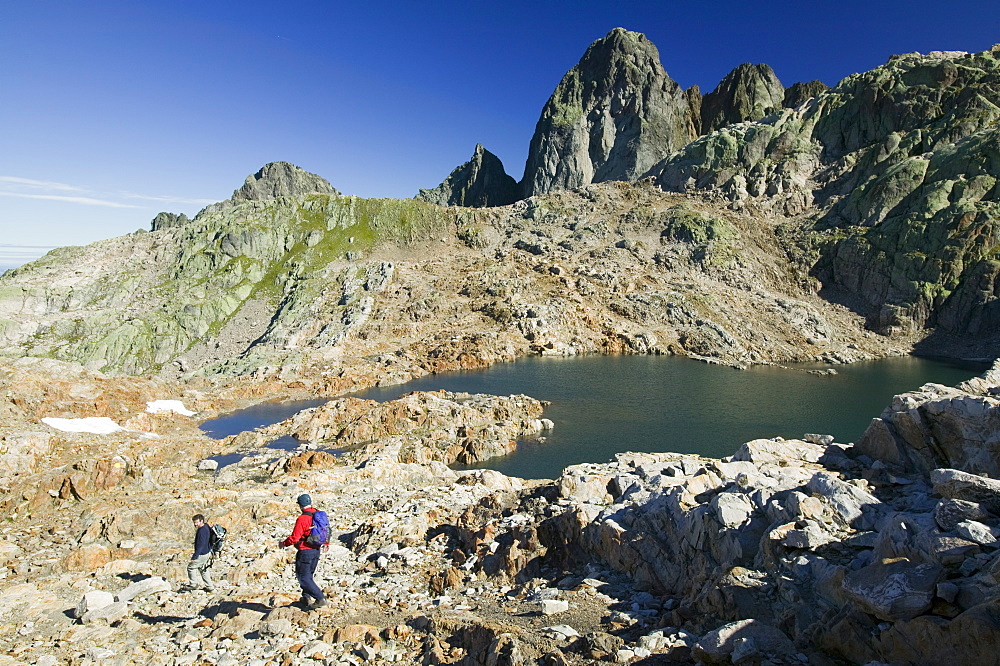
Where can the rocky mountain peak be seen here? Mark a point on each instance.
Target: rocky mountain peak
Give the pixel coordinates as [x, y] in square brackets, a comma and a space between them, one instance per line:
[165, 220]
[749, 92]
[798, 93]
[281, 179]
[612, 117]
[480, 182]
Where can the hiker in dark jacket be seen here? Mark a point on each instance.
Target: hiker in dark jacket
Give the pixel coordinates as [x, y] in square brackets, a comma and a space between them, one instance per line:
[198, 568]
[306, 557]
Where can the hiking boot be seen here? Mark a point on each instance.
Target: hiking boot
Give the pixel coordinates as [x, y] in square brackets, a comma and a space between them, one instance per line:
[319, 603]
[305, 600]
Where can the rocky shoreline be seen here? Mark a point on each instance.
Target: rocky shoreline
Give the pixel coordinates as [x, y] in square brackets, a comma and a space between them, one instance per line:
[789, 552]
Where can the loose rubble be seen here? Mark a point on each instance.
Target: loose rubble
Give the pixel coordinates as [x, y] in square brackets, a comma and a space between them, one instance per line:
[789, 552]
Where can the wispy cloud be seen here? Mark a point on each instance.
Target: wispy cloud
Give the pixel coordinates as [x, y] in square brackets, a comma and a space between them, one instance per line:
[29, 188]
[89, 201]
[42, 184]
[15, 255]
[168, 199]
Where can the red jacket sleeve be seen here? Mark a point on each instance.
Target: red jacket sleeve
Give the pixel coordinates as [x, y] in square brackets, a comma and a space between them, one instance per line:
[302, 527]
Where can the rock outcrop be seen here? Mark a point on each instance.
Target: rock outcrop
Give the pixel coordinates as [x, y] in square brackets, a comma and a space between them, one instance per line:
[612, 117]
[893, 172]
[479, 183]
[166, 220]
[281, 179]
[802, 92]
[749, 92]
[786, 541]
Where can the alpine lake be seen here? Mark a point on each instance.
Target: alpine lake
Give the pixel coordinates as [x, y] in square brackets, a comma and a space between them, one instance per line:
[603, 405]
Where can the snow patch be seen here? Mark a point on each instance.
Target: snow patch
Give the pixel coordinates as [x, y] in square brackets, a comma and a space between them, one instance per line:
[100, 425]
[160, 406]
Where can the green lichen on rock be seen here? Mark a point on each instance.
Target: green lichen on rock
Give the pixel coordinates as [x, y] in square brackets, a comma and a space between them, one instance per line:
[269, 251]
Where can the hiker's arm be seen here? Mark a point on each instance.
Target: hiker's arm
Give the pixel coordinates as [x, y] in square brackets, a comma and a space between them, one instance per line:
[302, 525]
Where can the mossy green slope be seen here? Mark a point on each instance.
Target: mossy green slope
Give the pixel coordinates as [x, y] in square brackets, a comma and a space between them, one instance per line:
[277, 252]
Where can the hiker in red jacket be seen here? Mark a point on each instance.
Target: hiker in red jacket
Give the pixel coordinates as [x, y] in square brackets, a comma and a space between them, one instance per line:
[306, 557]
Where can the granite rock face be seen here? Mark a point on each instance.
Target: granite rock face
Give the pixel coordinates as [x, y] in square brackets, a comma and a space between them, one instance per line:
[894, 171]
[937, 427]
[281, 179]
[801, 92]
[479, 183]
[166, 220]
[749, 92]
[612, 117]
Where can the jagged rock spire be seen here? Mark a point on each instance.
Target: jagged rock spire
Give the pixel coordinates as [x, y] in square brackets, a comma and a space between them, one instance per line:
[749, 92]
[612, 117]
[480, 182]
[797, 93]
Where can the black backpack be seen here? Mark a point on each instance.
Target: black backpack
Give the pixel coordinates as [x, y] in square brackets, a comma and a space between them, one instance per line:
[216, 538]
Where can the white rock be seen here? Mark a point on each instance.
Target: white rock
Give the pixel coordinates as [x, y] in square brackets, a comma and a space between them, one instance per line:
[560, 632]
[731, 509]
[624, 656]
[975, 531]
[317, 650]
[98, 653]
[106, 614]
[208, 464]
[553, 606]
[93, 600]
[143, 587]
[8, 551]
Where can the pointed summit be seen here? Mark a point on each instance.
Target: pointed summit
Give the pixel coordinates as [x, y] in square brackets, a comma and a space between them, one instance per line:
[612, 117]
[479, 183]
[281, 179]
[749, 92]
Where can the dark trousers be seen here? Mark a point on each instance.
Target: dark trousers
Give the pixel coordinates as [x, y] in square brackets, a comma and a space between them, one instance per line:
[305, 567]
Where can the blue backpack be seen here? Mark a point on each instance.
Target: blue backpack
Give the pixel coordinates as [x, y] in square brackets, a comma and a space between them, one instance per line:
[319, 534]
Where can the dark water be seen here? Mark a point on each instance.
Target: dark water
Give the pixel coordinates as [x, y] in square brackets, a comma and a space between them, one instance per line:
[263, 414]
[602, 405]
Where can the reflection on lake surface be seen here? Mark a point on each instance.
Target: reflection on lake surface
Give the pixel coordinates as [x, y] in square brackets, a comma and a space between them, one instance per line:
[602, 405]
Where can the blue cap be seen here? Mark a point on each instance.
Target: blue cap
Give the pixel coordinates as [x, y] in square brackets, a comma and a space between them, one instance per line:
[304, 500]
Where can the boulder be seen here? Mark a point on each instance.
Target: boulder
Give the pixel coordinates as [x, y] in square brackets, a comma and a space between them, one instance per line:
[761, 451]
[718, 646]
[553, 606]
[950, 512]
[846, 499]
[93, 600]
[899, 590]
[958, 485]
[142, 588]
[108, 614]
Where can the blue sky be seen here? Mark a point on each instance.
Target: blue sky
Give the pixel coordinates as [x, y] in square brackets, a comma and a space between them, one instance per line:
[113, 111]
